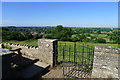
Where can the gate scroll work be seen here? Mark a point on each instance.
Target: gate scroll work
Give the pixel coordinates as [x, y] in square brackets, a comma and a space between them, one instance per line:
[75, 59]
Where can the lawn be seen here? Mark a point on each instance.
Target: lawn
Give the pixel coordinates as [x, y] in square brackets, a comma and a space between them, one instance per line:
[27, 42]
[75, 52]
[90, 44]
[35, 43]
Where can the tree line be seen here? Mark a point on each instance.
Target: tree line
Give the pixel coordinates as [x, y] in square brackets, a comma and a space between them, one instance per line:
[61, 33]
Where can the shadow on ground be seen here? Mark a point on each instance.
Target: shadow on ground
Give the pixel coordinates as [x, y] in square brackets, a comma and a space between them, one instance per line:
[16, 68]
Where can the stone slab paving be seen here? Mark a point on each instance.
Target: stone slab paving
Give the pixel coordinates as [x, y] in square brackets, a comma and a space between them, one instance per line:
[58, 73]
[54, 73]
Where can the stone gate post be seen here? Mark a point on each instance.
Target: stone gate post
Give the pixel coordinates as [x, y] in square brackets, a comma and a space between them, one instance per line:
[105, 63]
[47, 51]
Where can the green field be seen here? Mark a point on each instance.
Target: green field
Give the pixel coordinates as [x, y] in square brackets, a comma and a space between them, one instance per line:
[27, 42]
[83, 50]
[35, 43]
[104, 36]
[74, 51]
[91, 44]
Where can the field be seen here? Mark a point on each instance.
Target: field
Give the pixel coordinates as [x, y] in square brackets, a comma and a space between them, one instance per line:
[79, 52]
[35, 43]
[75, 52]
[28, 42]
[104, 36]
[92, 44]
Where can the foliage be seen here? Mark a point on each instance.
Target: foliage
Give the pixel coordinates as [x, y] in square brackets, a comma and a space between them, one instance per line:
[100, 40]
[62, 33]
[79, 37]
[115, 37]
[13, 35]
[49, 36]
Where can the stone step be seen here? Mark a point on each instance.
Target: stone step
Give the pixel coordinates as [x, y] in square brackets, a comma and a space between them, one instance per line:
[38, 69]
[31, 72]
[44, 65]
[38, 63]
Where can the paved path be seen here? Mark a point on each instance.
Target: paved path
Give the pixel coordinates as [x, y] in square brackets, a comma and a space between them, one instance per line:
[54, 73]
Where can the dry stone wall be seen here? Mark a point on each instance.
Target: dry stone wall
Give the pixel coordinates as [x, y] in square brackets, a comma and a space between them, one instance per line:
[28, 50]
[1, 45]
[105, 63]
[106, 59]
[46, 51]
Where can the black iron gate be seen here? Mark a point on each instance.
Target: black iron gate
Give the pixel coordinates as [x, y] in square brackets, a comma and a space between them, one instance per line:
[75, 59]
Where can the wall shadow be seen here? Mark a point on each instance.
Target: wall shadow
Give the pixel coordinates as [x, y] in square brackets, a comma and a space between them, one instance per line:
[16, 68]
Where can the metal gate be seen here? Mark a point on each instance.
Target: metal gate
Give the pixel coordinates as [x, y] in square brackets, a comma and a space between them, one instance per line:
[75, 59]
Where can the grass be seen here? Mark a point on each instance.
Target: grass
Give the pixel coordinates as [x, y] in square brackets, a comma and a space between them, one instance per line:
[28, 42]
[83, 55]
[35, 43]
[104, 36]
[7, 47]
[68, 49]
[77, 54]
[89, 43]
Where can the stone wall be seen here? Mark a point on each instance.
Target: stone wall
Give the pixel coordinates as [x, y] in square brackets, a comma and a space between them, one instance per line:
[28, 50]
[105, 63]
[47, 50]
[1, 45]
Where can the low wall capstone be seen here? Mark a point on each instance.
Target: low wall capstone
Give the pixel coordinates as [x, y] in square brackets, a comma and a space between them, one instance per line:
[26, 50]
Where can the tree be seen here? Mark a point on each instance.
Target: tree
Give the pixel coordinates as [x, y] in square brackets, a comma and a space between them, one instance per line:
[115, 37]
[82, 37]
[99, 32]
[75, 38]
[100, 40]
[62, 33]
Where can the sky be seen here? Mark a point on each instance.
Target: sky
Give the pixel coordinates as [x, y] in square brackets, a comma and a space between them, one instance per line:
[68, 14]
[60, 0]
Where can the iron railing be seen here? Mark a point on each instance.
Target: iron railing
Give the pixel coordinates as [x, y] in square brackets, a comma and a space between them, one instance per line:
[76, 59]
